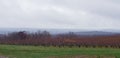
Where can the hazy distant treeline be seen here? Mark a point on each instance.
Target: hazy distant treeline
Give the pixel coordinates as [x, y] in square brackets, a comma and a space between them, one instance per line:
[70, 39]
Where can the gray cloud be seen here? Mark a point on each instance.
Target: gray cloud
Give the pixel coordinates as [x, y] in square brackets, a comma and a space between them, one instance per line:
[77, 14]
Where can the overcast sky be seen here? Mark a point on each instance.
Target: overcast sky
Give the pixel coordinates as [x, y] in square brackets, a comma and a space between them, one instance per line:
[60, 14]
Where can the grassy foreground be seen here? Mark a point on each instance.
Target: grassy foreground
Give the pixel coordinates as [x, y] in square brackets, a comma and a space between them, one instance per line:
[14, 51]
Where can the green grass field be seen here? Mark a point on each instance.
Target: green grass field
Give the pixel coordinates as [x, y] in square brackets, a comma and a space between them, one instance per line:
[14, 51]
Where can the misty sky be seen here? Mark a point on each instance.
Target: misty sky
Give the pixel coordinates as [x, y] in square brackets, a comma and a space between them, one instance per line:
[63, 14]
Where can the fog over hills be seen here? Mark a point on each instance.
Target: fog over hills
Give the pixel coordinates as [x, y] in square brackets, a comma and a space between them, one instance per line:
[59, 31]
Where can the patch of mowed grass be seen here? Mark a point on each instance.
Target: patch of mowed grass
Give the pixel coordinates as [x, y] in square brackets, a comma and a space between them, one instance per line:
[43, 52]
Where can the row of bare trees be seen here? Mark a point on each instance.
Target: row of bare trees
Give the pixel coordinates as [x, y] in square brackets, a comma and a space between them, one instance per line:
[70, 39]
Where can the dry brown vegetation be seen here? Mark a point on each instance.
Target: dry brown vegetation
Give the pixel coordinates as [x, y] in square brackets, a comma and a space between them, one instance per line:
[60, 40]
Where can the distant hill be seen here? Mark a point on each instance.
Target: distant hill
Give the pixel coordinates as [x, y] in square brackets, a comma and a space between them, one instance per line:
[57, 31]
[91, 33]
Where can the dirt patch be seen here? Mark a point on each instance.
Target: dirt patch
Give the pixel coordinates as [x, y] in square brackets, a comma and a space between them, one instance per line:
[107, 57]
[82, 56]
[3, 57]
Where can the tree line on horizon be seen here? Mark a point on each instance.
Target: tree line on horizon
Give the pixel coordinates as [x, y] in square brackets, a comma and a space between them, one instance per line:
[44, 38]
